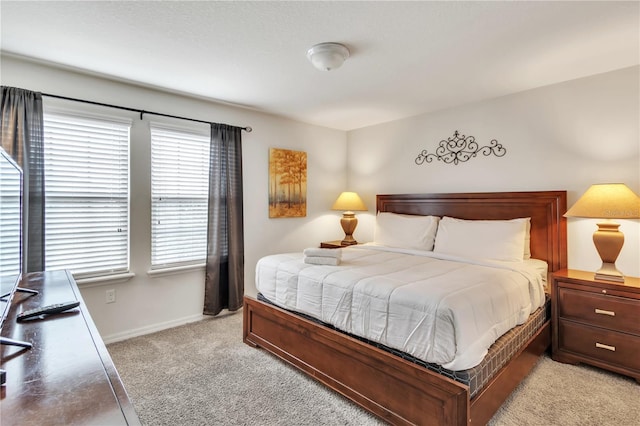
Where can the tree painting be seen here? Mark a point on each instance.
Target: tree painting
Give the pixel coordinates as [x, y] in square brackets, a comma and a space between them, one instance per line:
[287, 183]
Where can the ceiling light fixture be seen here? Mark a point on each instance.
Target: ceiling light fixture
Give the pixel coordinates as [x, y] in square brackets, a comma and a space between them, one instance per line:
[327, 56]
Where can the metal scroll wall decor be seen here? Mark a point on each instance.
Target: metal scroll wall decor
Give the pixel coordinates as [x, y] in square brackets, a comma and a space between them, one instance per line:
[459, 149]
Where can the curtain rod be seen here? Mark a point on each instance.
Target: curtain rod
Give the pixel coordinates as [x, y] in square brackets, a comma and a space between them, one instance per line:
[141, 111]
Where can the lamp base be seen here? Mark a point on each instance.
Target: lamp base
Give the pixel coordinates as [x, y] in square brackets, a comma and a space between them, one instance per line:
[609, 272]
[608, 241]
[348, 222]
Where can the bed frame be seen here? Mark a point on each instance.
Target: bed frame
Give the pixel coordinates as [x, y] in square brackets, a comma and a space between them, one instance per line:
[394, 389]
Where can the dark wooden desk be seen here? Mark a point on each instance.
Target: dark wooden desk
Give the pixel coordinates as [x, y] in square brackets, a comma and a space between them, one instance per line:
[67, 378]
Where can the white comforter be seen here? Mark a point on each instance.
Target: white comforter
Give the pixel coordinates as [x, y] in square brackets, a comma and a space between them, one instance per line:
[437, 308]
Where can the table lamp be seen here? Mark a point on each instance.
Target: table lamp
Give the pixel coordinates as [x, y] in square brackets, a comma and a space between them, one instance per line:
[607, 201]
[349, 202]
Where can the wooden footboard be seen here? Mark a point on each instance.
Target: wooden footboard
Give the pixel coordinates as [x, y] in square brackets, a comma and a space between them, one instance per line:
[396, 390]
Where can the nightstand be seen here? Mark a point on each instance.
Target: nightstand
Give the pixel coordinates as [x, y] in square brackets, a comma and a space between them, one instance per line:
[596, 322]
[332, 244]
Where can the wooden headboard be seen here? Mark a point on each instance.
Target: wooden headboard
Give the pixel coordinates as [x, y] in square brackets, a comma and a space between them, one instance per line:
[545, 208]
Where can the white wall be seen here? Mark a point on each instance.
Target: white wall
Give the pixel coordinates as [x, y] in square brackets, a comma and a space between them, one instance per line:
[146, 303]
[561, 137]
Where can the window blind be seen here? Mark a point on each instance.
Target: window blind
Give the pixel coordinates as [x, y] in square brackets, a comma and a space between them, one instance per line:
[86, 194]
[179, 196]
[10, 220]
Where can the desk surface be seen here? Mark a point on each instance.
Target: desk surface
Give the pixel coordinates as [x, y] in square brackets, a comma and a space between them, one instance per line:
[68, 376]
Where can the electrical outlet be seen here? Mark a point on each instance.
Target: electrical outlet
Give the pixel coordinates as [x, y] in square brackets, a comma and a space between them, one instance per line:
[111, 296]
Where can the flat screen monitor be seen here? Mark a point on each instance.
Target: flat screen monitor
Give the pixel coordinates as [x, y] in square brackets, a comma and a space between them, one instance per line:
[10, 231]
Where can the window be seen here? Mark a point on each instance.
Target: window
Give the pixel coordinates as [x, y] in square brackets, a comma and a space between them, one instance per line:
[179, 196]
[86, 194]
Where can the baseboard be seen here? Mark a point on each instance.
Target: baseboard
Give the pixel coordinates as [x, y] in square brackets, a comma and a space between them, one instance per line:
[128, 334]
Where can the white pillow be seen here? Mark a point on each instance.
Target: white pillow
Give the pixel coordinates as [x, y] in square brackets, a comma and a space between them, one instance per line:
[484, 239]
[527, 239]
[405, 230]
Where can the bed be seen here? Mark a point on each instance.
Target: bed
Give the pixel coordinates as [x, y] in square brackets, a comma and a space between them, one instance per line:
[393, 386]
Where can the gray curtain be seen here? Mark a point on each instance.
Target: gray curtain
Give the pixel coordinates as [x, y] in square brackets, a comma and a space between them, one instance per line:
[22, 126]
[224, 283]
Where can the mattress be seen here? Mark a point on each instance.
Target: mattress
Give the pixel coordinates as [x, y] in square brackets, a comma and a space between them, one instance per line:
[439, 309]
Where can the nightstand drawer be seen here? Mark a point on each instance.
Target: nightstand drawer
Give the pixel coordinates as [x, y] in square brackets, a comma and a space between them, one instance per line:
[604, 345]
[618, 313]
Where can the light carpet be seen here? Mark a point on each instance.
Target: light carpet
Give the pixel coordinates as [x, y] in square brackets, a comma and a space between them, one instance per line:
[203, 374]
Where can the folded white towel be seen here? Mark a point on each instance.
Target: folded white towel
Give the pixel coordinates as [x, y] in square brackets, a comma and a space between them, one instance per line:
[323, 252]
[319, 260]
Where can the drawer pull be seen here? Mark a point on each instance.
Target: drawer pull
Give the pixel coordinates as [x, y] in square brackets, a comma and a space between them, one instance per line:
[607, 347]
[603, 312]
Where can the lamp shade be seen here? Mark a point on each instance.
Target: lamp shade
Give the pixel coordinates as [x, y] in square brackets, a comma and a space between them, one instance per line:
[607, 201]
[349, 201]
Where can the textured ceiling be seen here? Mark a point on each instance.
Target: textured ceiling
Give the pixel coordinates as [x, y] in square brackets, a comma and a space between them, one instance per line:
[407, 58]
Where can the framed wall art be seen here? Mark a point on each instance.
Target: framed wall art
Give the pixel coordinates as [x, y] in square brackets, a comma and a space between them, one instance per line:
[287, 183]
